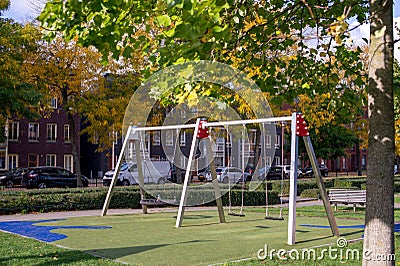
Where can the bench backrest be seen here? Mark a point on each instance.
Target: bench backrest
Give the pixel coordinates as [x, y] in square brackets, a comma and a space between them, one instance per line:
[347, 195]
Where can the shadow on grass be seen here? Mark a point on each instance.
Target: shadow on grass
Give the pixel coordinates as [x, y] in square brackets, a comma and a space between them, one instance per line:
[313, 239]
[59, 257]
[326, 237]
[240, 220]
[195, 216]
[115, 253]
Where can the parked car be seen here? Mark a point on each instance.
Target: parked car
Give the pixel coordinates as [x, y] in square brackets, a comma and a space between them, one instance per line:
[261, 173]
[308, 171]
[47, 176]
[153, 173]
[275, 172]
[228, 174]
[13, 177]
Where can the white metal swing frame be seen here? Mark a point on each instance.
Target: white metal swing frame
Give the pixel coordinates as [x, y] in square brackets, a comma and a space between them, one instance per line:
[293, 169]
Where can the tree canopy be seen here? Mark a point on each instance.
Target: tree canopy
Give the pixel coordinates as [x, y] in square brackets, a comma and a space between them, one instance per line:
[294, 50]
[17, 96]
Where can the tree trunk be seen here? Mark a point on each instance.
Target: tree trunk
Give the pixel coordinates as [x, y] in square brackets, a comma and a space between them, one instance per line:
[379, 214]
[75, 153]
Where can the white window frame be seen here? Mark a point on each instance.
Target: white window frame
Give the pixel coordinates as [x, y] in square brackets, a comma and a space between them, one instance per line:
[3, 160]
[13, 131]
[51, 160]
[157, 138]
[51, 130]
[54, 102]
[13, 161]
[267, 141]
[169, 138]
[182, 138]
[268, 160]
[69, 162]
[277, 160]
[33, 131]
[67, 133]
[277, 141]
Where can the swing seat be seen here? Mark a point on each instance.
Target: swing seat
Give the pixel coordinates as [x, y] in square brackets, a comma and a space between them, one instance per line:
[236, 214]
[274, 218]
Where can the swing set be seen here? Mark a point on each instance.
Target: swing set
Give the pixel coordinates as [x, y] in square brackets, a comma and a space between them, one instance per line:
[201, 127]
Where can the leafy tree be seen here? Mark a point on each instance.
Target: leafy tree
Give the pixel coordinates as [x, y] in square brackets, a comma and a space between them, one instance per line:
[331, 141]
[16, 95]
[68, 73]
[4, 5]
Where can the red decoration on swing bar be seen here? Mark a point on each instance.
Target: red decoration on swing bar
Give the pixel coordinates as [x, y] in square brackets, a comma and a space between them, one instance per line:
[203, 129]
[301, 126]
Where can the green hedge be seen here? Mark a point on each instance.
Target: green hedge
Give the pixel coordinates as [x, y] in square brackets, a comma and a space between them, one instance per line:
[301, 185]
[50, 200]
[310, 193]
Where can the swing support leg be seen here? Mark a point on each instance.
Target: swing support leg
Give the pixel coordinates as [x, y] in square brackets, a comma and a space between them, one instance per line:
[321, 186]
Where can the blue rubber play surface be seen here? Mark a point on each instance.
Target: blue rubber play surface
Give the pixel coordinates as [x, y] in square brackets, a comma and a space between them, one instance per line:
[361, 226]
[34, 229]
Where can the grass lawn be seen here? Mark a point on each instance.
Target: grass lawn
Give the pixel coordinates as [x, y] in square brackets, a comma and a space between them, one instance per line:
[396, 198]
[153, 240]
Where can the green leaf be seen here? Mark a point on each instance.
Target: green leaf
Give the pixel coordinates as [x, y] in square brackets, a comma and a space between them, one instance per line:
[163, 20]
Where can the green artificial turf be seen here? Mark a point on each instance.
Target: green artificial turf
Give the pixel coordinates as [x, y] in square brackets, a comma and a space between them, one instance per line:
[152, 239]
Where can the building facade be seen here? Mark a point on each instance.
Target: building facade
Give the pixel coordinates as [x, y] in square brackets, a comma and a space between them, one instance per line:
[41, 142]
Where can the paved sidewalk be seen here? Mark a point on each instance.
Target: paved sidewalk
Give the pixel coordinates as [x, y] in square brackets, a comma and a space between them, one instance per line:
[67, 214]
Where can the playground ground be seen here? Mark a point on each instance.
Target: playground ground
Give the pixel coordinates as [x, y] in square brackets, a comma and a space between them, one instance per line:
[130, 237]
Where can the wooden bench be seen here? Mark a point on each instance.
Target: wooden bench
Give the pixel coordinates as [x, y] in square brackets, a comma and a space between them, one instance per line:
[347, 196]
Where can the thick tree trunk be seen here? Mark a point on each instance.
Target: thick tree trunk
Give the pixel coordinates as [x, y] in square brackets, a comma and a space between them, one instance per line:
[379, 215]
[75, 153]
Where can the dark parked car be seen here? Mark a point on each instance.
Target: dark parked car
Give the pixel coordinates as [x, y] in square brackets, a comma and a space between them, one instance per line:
[13, 177]
[308, 171]
[45, 176]
[275, 173]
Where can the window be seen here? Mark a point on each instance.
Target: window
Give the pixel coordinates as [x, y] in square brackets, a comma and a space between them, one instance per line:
[156, 138]
[2, 159]
[115, 134]
[68, 162]
[33, 132]
[268, 160]
[33, 160]
[182, 138]
[51, 160]
[53, 103]
[169, 138]
[67, 133]
[268, 141]
[277, 141]
[277, 160]
[51, 132]
[12, 161]
[13, 131]
[252, 136]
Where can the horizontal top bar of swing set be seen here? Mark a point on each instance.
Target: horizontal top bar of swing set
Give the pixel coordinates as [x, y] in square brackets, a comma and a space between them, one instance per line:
[213, 124]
